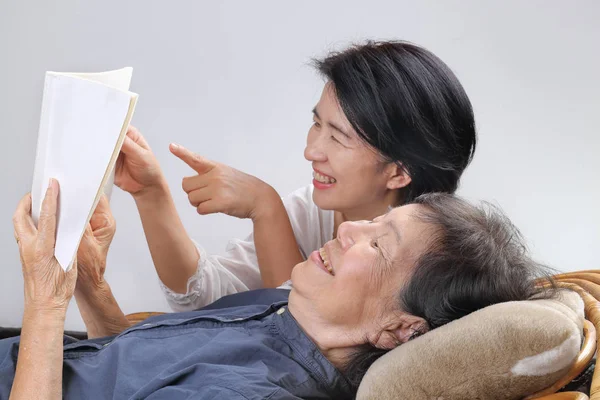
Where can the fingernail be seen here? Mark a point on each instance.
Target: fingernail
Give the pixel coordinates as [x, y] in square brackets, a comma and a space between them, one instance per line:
[50, 183]
[174, 145]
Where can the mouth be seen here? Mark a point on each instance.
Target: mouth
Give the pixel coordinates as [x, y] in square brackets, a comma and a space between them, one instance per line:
[321, 259]
[322, 181]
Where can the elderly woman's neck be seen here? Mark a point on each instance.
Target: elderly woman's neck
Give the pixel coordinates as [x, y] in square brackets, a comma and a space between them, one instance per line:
[335, 342]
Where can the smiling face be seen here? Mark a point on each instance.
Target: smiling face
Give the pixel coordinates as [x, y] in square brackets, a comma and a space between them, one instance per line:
[348, 174]
[358, 275]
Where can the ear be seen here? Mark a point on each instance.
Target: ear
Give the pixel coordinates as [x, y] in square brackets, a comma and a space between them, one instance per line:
[400, 331]
[398, 177]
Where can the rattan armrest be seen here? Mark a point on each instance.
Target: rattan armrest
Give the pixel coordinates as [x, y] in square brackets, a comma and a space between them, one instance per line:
[565, 396]
[136, 318]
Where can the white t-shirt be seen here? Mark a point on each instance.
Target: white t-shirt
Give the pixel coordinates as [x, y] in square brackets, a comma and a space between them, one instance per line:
[237, 270]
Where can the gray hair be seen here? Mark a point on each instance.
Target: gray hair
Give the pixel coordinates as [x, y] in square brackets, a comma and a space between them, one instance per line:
[475, 258]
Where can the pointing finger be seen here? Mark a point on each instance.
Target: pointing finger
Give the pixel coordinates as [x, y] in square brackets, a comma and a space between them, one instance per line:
[198, 163]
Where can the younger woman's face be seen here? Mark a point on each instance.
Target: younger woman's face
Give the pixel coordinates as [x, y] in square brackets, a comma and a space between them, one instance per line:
[348, 174]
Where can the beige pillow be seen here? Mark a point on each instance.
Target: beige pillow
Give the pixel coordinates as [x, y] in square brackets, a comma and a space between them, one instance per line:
[505, 351]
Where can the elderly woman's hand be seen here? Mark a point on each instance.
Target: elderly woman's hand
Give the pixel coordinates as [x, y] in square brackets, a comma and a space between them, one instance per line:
[93, 249]
[99, 309]
[47, 285]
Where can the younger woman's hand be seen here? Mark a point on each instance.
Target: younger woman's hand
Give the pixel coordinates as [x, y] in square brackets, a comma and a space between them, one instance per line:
[218, 188]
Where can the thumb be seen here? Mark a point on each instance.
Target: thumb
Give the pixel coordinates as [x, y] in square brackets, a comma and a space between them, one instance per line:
[88, 233]
[136, 136]
[198, 163]
[103, 206]
[132, 149]
[48, 217]
[101, 216]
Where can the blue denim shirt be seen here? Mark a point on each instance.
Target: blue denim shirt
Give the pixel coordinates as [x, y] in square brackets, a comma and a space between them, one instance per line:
[253, 351]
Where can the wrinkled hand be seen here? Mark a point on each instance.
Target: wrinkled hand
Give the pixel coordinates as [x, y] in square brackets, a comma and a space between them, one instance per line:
[220, 188]
[137, 168]
[93, 249]
[47, 286]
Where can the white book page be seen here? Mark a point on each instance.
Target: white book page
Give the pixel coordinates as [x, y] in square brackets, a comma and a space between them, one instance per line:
[119, 79]
[80, 128]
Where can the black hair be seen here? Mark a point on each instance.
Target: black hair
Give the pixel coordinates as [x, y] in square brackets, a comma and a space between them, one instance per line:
[407, 104]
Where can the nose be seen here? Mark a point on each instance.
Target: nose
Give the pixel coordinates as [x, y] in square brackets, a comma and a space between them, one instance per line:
[314, 149]
[350, 232]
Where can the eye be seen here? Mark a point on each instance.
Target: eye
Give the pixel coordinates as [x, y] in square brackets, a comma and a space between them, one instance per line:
[334, 139]
[374, 244]
[316, 124]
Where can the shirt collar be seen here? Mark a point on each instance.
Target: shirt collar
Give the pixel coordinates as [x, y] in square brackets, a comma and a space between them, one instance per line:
[309, 355]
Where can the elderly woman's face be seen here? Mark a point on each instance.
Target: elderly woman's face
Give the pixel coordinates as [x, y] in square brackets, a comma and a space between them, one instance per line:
[353, 278]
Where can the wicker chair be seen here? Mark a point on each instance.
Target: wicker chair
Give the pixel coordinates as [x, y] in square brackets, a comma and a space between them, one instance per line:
[587, 285]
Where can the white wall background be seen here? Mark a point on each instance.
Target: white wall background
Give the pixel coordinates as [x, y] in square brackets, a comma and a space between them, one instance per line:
[230, 80]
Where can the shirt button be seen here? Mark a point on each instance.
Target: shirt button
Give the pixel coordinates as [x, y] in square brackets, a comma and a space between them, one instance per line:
[281, 311]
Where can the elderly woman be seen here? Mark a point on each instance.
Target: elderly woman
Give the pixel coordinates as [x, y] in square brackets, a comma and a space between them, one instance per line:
[375, 286]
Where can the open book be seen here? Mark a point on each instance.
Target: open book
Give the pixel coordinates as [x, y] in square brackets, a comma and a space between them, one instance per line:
[83, 123]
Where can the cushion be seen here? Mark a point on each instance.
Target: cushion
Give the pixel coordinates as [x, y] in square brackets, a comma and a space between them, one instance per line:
[504, 351]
